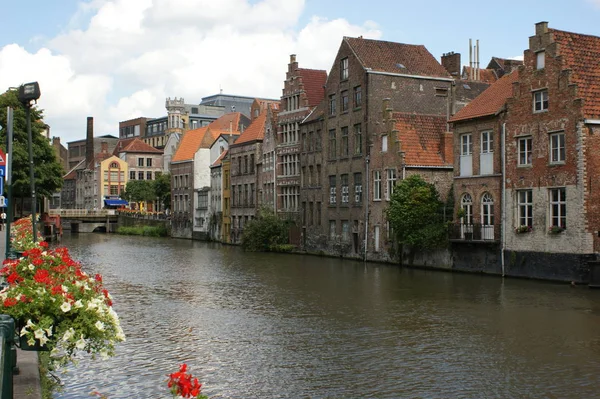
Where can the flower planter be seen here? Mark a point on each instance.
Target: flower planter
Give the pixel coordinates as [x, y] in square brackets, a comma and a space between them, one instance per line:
[24, 345]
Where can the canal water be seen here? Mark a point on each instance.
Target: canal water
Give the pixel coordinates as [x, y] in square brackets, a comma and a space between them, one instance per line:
[289, 326]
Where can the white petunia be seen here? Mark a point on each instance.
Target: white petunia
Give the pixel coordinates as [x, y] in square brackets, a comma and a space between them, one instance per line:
[104, 354]
[23, 331]
[80, 344]
[40, 336]
[31, 266]
[68, 334]
[78, 304]
[65, 307]
[99, 325]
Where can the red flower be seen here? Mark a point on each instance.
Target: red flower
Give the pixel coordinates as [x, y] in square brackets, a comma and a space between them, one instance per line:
[98, 277]
[14, 278]
[8, 302]
[43, 244]
[184, 384]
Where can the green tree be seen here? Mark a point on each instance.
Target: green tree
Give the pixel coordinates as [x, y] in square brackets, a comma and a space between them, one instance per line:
[162, 189]
[416, 214]
[264, 232]
[139, 190]
[47, 169]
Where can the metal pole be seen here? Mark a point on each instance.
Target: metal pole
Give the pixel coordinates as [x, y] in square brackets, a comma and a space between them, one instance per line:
[9, 156]
[366, 204]
[31, 174]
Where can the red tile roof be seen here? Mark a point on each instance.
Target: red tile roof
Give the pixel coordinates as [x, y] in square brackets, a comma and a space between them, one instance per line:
[581, 54]
[137, 145]
[122, 143]
[314, 81]
[393, 57]
[421, 138]
[490, 101]
[189, 144]
[226, 121]
[485, 75]
[256, 130]
[219, 160]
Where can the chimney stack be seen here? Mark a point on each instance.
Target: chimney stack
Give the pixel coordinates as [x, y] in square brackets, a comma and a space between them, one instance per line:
[104, 146]
[89, 143]
[451, 62]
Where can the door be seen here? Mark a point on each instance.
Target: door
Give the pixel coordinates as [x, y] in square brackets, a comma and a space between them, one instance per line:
[487, 217]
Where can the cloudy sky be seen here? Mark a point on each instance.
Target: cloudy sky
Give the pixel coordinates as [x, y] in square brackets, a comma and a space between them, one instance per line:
[119, 59]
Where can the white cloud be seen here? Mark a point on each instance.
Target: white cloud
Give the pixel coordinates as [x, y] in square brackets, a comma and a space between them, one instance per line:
[133, 54]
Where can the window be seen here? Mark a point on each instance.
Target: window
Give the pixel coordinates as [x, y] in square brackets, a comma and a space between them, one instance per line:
[251, 163]
[148, 175]
[344, 68]
[558, 207]
[540, 60]
[140, 175]
[525, 207]
[466, 144]
[357, 96]
[203, 200]
[131, 175]
[487, 210]
[344, 100]
[149, 162]
[540, 101]
[344, 150]
[391, 182]
[525, 151]
[345, 191]
[332, 104]
[384, 143]
[487, 142]
[357, 139]
[557, 147]
[358, 188]
[377, 185]
[466, 204]
[332, 144]
[345, 230]
[332, 190]
[332, 229]
[141, 162]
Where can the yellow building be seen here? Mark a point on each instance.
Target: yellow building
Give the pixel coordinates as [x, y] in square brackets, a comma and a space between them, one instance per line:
[112, 176]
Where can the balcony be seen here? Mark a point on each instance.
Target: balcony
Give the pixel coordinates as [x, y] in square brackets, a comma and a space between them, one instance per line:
[477, 232]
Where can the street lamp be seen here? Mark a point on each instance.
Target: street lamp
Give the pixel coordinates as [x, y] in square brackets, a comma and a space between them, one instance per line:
[28, 95]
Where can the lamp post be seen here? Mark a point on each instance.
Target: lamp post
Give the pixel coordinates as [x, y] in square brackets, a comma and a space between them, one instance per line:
[28, 95]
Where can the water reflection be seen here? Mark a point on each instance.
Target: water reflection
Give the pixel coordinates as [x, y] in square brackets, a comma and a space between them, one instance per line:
[284, 326]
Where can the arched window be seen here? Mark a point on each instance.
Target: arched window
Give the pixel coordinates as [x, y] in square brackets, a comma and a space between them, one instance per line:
[114, 165]
[487, 210]
[466, 204]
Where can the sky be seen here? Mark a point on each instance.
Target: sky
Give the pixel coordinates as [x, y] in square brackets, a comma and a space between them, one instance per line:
[116, 60]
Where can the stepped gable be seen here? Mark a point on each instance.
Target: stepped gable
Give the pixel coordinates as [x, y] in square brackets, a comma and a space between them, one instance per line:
[313, 81]
[490, 101]
[581, 54]
[421, 138]
[256, 130]
[400, 58]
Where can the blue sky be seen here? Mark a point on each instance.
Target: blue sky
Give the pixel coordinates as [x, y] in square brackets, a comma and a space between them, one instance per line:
[119, 59]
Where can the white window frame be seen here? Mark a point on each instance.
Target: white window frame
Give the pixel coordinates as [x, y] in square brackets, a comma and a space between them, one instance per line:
[376, 185]
[487, 142]
[540, 101]
[557, 147]
[524, 153]
[390, 183]
[344, 71]
[525, 208]
[466, 144]
[558, 207]
[384, 143]
[540, 59]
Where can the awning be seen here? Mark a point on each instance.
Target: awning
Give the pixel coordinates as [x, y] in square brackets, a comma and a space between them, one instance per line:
[115, 202]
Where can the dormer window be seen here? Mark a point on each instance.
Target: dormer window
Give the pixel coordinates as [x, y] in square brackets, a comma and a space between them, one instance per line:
[540, 62]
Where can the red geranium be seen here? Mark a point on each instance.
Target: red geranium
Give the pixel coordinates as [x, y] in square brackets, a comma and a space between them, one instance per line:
[184, 384]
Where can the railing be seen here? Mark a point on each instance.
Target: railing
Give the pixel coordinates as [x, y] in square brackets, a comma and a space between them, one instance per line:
[474, 232]
[8, 356]
[74, 213]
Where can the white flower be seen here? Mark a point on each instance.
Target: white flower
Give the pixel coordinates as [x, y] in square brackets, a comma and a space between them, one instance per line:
[78, 304]
[29, 323]
[65, 307]
[68, 334]
[31, 266]
[40, 336]
[49, 331]
[64, 288]
[99, 325]
[80, 344]
[23, 331]
[104, 354]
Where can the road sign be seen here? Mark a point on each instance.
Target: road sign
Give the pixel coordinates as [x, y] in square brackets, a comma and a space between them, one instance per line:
[2, 158]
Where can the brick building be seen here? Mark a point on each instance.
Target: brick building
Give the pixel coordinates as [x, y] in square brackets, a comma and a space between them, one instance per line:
[244, 155]
[302, 91]
[349, 136]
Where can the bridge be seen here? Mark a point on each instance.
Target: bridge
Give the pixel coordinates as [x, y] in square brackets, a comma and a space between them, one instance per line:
[86, 221]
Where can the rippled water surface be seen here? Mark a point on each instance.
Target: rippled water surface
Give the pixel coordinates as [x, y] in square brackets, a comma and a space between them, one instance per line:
[286, 326]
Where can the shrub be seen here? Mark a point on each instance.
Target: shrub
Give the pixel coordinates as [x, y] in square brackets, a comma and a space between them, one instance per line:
[264, 232]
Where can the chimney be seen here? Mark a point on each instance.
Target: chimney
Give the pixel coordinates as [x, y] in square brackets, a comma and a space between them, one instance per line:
[56, 141]
[447, 147]
[451, 61]
[293, 65]
[89, 143]
[104, 146]
[541, 28]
